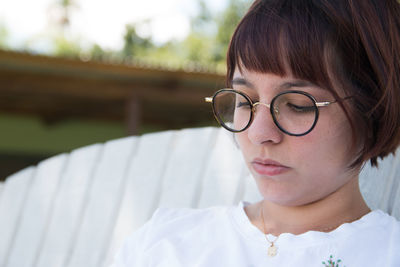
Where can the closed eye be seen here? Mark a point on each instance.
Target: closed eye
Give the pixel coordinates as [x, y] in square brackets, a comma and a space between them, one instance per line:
[297, 108]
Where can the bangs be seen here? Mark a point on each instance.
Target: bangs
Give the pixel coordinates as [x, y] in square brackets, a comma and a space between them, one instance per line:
[280, 38]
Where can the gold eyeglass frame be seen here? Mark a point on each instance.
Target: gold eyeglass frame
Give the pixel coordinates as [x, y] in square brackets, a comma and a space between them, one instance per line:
[210, 99]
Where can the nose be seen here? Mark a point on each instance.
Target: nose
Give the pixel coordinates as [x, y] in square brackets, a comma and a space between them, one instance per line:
[263, 128]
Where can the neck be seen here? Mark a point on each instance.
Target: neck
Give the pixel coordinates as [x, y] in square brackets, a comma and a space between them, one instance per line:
[342, 206]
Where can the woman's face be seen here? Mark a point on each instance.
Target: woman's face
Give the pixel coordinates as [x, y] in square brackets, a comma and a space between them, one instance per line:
[292, 170]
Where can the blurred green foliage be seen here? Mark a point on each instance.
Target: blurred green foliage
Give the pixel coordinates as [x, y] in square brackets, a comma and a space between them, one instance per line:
[64, 47]
[203, 48]
[3, 36]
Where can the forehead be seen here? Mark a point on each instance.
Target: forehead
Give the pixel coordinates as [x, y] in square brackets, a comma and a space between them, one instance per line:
[268, 81]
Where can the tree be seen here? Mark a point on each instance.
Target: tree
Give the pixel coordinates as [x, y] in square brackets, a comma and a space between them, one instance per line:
[61, 12]
[3, 36]
[133, 43]
[210, 34]
[227, 23]
[205, 45]
[204, 21]
[64, 44]
[64, 47]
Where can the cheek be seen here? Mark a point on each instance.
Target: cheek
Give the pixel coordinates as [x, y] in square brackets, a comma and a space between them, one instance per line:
[329, 144]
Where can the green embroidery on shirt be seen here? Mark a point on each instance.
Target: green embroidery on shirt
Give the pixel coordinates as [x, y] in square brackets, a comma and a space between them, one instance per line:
[331, 263]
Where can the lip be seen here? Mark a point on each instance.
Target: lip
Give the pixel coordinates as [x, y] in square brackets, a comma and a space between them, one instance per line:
[268, 167]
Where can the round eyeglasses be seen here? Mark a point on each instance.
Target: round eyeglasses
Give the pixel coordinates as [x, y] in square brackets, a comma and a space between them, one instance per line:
[294, 112]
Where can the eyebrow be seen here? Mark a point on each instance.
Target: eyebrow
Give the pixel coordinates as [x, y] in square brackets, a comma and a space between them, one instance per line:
[242, 81]
[285, 85]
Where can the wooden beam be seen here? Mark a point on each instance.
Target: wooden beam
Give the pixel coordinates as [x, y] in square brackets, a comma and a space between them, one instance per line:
[133, 115]
[58, 89]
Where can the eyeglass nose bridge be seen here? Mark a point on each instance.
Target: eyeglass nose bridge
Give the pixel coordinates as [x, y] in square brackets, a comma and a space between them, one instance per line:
[276, 110]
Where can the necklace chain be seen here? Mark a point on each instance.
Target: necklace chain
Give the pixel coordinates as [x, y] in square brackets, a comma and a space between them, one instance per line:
[273, 250]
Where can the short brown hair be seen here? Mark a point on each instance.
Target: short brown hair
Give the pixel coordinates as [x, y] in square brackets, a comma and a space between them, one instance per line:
[353, 43]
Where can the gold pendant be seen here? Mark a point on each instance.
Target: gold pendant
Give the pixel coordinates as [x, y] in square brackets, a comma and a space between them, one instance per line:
[272, 250]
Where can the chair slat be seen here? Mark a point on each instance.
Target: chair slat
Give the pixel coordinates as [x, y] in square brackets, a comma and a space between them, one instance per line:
[36, 213]
[394, 196]
[374, 183]
[181, 181]
[68, 207]
[222, 181]
[12, 200]
[143, 187]
[1, 188]
[102, 204]
[396, 201]
[251, 193]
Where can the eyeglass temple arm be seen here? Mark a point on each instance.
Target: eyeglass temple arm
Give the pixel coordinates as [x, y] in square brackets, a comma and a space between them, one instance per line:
[208, 99]
[323, 104]
[327, 103]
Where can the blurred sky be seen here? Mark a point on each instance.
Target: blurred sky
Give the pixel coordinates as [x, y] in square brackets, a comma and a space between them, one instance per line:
[99, 21]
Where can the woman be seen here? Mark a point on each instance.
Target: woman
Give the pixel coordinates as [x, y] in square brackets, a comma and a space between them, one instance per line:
[314, 94]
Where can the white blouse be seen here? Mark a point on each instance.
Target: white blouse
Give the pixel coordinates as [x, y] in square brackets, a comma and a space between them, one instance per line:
[225, 237]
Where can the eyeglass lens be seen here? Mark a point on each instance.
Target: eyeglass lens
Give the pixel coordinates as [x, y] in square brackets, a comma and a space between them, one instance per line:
[294, 113]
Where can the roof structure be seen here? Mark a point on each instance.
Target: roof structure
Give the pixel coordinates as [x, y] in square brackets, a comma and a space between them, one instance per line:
[57, 89]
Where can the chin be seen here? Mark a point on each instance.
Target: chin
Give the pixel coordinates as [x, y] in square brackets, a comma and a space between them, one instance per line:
[287, 202]
[286, 198]
[286, 192]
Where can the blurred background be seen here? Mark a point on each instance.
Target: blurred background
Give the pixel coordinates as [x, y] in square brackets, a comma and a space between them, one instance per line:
[78, 72]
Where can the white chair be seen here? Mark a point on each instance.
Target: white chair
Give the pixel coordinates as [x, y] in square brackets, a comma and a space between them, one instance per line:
[74, 210]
